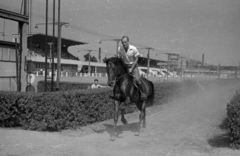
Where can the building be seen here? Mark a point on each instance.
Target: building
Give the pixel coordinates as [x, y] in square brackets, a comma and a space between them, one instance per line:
[69, 63]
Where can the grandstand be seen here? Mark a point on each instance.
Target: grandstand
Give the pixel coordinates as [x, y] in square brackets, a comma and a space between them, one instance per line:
[36, 46]
[69, 62]
[72, 64]
[36, 52]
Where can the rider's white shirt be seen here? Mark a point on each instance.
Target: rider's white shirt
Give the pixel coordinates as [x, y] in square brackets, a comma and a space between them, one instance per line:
[129, 56]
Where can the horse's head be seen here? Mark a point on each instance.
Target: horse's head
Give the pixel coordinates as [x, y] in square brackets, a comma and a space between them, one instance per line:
[115, 68]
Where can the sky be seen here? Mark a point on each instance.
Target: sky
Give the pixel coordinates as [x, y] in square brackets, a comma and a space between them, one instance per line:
[188, 27]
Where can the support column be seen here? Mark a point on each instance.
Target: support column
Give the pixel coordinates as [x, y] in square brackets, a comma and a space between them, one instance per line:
[23, 28]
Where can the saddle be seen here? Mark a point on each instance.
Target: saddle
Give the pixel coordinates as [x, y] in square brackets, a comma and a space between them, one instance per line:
[135, 82]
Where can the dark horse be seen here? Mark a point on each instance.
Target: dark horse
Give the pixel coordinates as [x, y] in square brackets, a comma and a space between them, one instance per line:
[123, 88]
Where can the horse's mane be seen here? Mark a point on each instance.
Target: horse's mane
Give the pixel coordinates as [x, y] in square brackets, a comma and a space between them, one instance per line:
[117, 61]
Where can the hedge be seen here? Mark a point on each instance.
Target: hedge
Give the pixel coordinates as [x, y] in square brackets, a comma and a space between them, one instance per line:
[63, 86]
[54, 111]
[233, 114]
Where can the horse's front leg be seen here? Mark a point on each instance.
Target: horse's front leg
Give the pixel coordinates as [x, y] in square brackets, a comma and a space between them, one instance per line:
[123, 119]
[144, 118]
[141, 117]
[116, 111]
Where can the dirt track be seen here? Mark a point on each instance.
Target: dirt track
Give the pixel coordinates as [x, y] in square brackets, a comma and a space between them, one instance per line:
[189, 126]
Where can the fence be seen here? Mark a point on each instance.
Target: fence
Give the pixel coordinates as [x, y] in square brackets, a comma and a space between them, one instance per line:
[185, 74]
[72, 74]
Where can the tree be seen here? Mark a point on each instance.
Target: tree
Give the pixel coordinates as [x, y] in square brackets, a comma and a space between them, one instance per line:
[92, 58]
[87, 57]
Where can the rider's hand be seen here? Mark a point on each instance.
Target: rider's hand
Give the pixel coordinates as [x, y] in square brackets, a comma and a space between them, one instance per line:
[130, 70]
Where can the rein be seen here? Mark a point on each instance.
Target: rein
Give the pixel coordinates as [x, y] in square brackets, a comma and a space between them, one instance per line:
[118, 78]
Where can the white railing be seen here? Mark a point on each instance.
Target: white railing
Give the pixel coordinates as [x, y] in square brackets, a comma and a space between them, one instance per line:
[185, 75]
[72, 74]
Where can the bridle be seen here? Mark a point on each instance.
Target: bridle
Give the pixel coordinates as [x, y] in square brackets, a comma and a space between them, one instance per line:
[117, 78]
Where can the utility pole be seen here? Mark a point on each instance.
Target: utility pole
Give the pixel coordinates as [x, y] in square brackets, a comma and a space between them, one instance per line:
[59, 50]
[53, 49]
[46, 40]
[58, 44]
[181, 68]
[167, 65]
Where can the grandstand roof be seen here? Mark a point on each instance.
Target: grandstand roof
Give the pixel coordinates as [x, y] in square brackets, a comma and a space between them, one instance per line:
[41, 39]
[153, 60]
[7, 43]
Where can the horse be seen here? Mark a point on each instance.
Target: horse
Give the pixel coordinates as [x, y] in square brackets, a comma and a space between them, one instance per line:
[124, 88]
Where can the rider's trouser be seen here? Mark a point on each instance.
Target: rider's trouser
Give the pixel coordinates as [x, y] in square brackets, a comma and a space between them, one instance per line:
[136, 74]
[137, 77]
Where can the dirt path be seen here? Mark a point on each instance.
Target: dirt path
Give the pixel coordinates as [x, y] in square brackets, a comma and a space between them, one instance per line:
[190, 126]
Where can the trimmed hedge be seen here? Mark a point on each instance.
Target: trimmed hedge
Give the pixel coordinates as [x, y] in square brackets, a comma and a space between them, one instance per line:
[63, 86]
[233, 113]
[54, 111]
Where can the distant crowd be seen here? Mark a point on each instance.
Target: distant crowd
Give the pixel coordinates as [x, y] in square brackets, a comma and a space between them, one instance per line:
[40, 53]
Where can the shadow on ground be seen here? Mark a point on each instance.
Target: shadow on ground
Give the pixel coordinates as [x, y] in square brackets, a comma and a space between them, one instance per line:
[119, 129]
[222, 140]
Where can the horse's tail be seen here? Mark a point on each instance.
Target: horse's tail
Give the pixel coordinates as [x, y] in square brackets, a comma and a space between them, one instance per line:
[151, 97]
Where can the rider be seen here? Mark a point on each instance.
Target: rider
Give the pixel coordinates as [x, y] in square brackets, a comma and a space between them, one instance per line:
[129, 55]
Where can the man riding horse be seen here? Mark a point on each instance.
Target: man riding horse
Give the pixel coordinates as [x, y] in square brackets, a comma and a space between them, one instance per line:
[129, 55]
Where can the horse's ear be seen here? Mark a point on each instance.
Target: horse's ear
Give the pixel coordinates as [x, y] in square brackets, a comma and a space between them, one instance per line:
[105, 60]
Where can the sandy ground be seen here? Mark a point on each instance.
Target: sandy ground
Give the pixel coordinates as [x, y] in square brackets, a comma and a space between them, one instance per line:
[189, 126]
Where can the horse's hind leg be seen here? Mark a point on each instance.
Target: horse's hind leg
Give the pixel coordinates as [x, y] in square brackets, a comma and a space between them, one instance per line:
[144, 118]
[144, 112]
[116, 111]
[124, 121]
[141, 117]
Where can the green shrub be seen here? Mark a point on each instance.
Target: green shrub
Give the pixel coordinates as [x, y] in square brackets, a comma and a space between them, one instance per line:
[63, 86]
[54, 111]
[233, 113]
[9, 110]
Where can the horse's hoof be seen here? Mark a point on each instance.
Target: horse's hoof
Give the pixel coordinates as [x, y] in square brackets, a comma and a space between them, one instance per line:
[124, 122]
[144, 125]
[112, 139]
